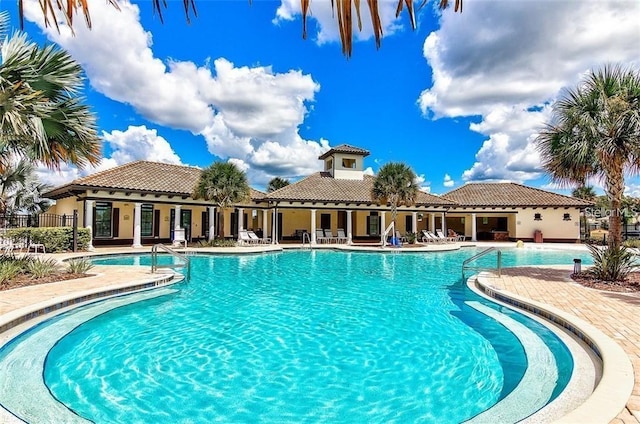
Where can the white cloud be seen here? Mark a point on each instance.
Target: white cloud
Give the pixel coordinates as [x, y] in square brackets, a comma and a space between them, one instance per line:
[507, 62]
[448, 181]
[369, 171]
[139, 143]
[423, 184]
[244, 113]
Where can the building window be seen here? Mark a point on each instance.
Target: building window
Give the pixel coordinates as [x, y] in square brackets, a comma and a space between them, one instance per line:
[328, 165]
[537, 217]
[146, 220]
[349, 163]
[373, 226]
[566, 217]
[103, 222]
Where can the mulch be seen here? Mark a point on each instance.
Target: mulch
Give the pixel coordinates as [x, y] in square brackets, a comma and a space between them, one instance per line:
[27, 280]
[630, 285]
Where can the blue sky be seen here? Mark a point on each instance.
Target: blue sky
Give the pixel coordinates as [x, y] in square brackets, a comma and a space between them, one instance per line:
[460, 99]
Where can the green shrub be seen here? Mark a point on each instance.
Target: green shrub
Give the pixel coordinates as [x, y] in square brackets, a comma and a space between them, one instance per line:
[54, 239]
[217, 242]
[9, 270]
[612, 264]
[411, 237]
[40, 268]
[79, 266]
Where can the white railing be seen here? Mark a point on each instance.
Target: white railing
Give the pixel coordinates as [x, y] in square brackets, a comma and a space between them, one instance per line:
[154, 260]
[465, 264]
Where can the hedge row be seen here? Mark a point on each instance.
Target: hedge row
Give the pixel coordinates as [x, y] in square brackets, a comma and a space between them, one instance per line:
[55, 239]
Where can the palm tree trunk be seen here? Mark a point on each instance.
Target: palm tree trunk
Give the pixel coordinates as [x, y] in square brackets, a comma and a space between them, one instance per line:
[614, 187]
[221, 224]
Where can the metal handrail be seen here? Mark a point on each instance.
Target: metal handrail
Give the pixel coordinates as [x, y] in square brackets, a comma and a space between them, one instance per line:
[306, 236]
[481, 254]
[154, 259]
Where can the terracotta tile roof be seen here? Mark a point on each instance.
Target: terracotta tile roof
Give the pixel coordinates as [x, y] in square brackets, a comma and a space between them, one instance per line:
[345, 148]
[509, 194]
[144, 176]
[322, 187]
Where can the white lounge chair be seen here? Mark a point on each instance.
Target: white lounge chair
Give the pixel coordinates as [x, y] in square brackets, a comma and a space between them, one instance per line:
[342, 237]
[257, 240]
[320, 238]
[244, 239]
[429, 237]
[441, 235]
[330, 237]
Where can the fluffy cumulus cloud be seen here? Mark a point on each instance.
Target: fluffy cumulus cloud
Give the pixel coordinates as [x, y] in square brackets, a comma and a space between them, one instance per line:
[244, 113]
[135, 143]
[423, 184]
[506, 62]
[448, 181]
[321, 12]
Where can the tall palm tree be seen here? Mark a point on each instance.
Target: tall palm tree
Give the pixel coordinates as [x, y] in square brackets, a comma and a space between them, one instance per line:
[343, 10]
[41, 115]
[277, 183]
[595, 131]
[224, 184]
[395, 185]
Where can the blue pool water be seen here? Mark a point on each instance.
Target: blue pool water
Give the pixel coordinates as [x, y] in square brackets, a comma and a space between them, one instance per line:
[302, 336]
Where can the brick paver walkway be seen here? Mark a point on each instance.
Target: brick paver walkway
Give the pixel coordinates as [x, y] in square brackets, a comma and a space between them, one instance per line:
[614, 314]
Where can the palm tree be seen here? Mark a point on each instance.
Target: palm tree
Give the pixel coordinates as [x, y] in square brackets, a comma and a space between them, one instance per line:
[277, 183]
[584, 192]
[224, 184]
[395, 185]
[595, 131]
[41, 116]
[342, 10]
[20, 190]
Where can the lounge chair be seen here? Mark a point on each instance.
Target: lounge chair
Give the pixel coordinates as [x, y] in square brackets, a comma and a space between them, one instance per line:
[257, 240]
[456, 236]
[342, 237]
[245, 240]
[330, 237]
[429, 237]
[441, 235]
[320, 238]
[400, 237]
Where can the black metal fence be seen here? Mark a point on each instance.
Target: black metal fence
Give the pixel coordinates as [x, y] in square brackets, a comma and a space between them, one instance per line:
[40, 220]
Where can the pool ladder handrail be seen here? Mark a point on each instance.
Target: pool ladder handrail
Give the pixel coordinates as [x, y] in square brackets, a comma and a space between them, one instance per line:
[154, 259]
[306, 237]
[465, 264]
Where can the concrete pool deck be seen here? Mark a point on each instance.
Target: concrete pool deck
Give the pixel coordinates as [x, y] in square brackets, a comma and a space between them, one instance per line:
[611, 313]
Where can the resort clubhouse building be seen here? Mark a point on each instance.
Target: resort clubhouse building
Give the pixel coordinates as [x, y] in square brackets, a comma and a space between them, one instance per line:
[142, 203]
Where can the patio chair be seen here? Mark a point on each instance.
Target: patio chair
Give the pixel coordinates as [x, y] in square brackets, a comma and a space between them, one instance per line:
[6, 246]
[441, 235]
[429, 237]
[342, 237]
[244, 239]
[456, 236]
[330, 237]
[257, 240]
[320, 237]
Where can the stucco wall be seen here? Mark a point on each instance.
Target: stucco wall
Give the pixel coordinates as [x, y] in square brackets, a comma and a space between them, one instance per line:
[552, 224]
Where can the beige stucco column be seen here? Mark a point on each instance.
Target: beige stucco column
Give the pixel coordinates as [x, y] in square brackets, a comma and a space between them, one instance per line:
[265, 223]
[137, 220]
[432, 221]
[383, 224]
[313, 226]
[414, 222]
[349, 228]
[212, 223]
[88, 220]
[473, 227]
[443, 223]
[240, 220]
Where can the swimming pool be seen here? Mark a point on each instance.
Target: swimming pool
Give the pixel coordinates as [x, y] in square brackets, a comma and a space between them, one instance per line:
[305, 337]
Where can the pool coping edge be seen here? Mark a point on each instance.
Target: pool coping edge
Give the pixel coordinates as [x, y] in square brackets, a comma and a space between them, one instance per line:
[616, 384]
